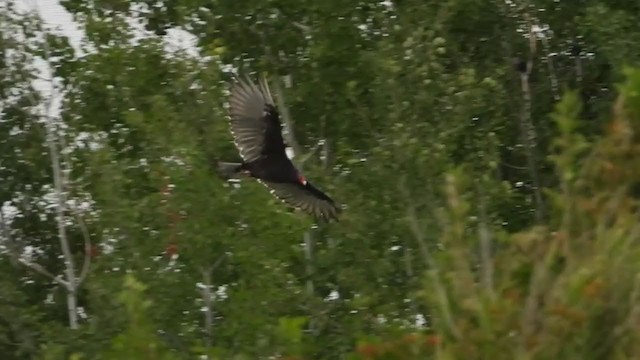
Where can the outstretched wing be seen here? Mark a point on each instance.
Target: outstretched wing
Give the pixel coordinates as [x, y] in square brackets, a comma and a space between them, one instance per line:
[255, 123]
[306, 198]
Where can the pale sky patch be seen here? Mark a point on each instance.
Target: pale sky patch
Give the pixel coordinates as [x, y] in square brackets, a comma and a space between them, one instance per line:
[55, 16]
[58, 20]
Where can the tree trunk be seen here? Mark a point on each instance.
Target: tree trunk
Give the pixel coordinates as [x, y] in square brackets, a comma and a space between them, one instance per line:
[70, 273]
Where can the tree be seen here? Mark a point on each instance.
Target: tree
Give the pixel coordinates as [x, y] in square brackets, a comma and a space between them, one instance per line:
[473, 144]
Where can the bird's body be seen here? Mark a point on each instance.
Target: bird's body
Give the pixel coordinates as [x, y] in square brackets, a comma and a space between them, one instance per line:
[273, 168]
[257, 132]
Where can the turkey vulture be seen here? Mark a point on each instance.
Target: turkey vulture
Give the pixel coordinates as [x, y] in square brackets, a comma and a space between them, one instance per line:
[257, 133]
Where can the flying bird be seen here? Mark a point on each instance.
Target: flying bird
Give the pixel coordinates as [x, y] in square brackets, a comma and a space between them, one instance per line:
[257, 132]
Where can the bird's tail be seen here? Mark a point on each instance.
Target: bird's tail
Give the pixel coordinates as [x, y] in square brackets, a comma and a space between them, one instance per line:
[228, 170]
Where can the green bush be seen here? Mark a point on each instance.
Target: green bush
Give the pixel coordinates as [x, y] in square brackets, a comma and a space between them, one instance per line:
[565, 289]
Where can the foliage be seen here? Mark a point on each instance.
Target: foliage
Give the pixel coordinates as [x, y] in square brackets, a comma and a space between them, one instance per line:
[485, 152]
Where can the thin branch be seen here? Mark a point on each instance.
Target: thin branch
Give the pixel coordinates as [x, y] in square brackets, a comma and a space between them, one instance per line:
[305, 28]
[532, 44]
[60, 217]
[54, 153]
[484, 235]
[207, 298]
[418, 234]
[308, 255]
[551, 68]
[528, 129]
[218, 262]
[575, 51]
[14, 254]
[286, 118]
[300, 157]
[325, 154]
[530, 321]
[310, 153]
[433, 272]
[516, 167]
[59, 186]
[81, 224]
[37, 267]
[41, 270]
[634, 311]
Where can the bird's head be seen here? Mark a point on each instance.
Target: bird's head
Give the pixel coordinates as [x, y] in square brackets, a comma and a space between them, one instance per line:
[302, 180]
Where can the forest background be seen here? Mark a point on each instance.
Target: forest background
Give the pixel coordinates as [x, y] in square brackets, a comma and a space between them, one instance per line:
[487, 154]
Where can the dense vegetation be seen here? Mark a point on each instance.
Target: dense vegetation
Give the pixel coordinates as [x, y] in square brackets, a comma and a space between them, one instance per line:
[487, 154]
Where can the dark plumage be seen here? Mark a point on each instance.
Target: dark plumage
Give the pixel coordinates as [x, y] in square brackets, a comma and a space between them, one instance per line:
[257, 132]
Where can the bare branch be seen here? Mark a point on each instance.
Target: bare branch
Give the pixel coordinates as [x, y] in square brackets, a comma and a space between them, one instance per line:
[305, 29]
[551, 68]
[418, 234]
[308, 255]
[299, 157]
[16, 256]
[310, 153]
[59, 186]
[54, 153]
[528, 130]
[532, 44]
[81, 224]
[326, 154]
[207, 298]
[286, 118]
[218, 262]
[41, 270]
